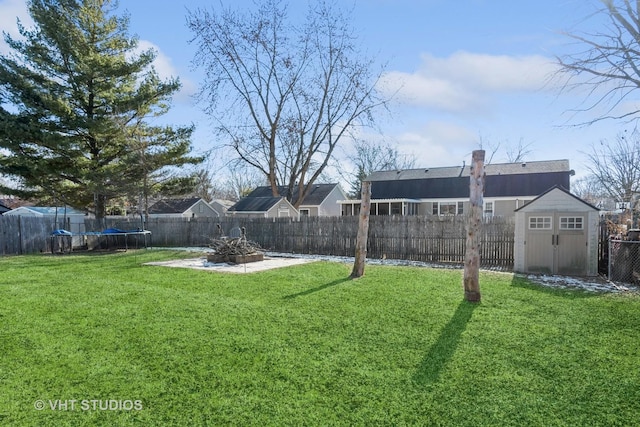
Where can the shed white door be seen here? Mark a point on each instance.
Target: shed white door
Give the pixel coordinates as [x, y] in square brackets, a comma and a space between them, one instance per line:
[556, 243]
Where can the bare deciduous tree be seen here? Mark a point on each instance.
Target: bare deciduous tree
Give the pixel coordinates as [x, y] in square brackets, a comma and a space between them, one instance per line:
[284, 95]
[513, 153]
[518, 153]
[367, 157]
[616, 166]
[608, 61]
[229, 181]
[591, 190]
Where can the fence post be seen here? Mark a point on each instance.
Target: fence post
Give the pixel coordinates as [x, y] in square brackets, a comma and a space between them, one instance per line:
[20, 233]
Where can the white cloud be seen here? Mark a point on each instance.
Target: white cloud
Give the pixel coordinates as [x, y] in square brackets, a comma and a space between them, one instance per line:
[437, 143]
[166, 70]
[467, 82]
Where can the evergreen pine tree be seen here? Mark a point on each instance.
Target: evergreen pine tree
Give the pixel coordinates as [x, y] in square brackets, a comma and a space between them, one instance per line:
[74, 101]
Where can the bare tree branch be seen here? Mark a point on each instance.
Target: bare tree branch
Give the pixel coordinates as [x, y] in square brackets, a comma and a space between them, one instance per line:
[284, 96]
[616, 166]
[608, 63]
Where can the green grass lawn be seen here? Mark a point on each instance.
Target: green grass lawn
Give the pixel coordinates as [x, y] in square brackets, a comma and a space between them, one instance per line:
[306, 346]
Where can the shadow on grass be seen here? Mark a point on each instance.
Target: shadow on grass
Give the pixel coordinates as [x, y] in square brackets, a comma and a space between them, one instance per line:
[317, 289]
[443, 349]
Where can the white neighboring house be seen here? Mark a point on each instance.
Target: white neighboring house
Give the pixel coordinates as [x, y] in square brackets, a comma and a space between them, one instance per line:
[192, 207]
[66, 218]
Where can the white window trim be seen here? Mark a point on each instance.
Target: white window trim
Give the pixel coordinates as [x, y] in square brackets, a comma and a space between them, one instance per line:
[574, 218]
[489, 213]
[546, 225]
[459, 204]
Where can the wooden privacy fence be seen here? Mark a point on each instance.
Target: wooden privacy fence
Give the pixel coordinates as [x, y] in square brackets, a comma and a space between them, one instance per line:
[24, 235]
[415, 238]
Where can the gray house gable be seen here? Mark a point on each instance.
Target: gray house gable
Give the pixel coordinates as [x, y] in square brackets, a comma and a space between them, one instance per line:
[587, 205]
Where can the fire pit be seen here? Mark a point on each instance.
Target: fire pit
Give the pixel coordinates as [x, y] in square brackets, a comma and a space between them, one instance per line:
[235, 250]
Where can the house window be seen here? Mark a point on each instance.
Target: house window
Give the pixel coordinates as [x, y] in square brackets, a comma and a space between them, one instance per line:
[448, 208]
[383, 209]
[488, 209]
[304, 212]
[540, 223]
[571, 223]
[396, 208]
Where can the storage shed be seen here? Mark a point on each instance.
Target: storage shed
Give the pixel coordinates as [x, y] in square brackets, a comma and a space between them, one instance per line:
[557, 233]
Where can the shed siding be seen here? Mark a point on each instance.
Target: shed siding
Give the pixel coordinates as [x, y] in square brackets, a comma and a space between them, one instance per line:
[557, 201]
[519, 243]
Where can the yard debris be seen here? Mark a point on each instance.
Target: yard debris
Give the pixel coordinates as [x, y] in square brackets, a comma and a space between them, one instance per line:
[235, 249]
[237, 246]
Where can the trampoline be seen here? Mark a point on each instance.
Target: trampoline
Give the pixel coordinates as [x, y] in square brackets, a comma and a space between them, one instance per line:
[63, 239]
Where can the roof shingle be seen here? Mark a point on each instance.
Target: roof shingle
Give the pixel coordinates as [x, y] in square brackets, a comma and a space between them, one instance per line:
[173, 206]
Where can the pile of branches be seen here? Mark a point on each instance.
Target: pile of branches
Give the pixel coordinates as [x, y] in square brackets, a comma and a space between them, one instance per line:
[237, 246]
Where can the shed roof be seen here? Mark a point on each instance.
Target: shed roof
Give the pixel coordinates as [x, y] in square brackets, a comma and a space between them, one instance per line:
[173, 206]
[564, 190]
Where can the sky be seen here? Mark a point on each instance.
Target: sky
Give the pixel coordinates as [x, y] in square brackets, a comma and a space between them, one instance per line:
[465, 71]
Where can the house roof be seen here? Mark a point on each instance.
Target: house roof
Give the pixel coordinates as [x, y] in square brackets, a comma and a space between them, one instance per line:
[502, 180]
[316, 196]
[255, 204]
[173, 206]
[4, 208]
[223, 202]
[546, 166]
[47, 210]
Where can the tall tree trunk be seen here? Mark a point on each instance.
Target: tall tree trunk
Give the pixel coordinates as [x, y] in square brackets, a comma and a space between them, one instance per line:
[474, 223]
[100, 206]
[363, 231]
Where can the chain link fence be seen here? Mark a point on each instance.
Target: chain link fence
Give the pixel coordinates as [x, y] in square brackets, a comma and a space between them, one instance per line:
[624, 261]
